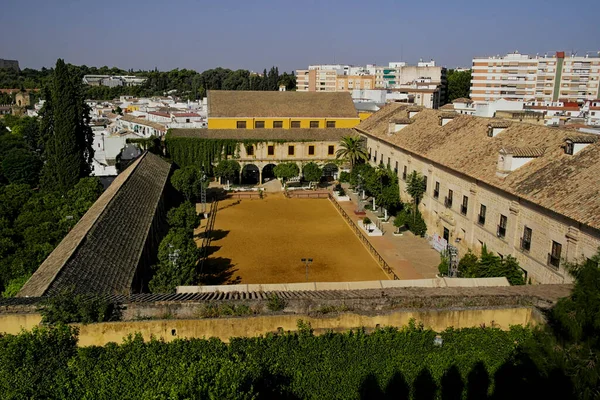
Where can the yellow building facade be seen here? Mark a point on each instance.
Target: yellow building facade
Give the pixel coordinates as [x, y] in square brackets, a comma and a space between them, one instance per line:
[280, 110]
[281, 123]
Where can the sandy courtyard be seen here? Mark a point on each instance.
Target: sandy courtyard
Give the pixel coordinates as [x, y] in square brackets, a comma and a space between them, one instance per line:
[262, 241]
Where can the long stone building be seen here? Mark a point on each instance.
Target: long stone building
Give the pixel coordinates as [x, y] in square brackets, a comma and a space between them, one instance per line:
[260, 150]
[529, 191]
[111, 248]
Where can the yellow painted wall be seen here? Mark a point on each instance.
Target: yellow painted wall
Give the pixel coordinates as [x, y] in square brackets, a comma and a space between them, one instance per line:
[225, 328]
[231, 123]
[364, 115]
[131, 108]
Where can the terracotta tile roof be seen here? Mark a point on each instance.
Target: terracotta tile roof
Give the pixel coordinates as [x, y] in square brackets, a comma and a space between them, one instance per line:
[155, 125]
[448, 107]
[448, 115]
[307, 134]
[414, 108]
[525, 152]
[238, 104]
[566, 184]
[102, 252]
[583, 138]
[191, 114]
[499, 124]
[401, 120]
[462, 100]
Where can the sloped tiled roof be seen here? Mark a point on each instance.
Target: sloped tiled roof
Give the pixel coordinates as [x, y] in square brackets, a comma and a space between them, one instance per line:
[155, 125]
[566, 184]
[102, 252]
[300, 134]
[526, 152]
[256, 104]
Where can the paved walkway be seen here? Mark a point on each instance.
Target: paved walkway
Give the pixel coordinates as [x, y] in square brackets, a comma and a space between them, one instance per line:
[410, 256]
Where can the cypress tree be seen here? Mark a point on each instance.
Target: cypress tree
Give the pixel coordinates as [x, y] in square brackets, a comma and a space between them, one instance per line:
[65, 121]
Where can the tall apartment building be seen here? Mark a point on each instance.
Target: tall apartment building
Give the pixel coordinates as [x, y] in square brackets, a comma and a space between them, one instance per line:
[522, 77]
[424, 81]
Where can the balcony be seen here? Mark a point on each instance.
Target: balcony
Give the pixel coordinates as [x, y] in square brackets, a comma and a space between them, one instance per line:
[501, 231]
[553, 261]
[481, 219]
[448, 202]
[525, 244]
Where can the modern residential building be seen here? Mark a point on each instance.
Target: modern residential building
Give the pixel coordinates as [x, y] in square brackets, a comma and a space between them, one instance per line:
[526, 190]
[280, 110]
[425, 82]
[542, 78]
[141, 126]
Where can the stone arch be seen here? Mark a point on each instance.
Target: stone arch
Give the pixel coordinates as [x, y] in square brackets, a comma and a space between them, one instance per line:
[267, 172]
[250, 174]
[330, 172]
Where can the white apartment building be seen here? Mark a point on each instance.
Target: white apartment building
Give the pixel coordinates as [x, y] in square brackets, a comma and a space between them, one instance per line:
[425, 81]
[544, 78]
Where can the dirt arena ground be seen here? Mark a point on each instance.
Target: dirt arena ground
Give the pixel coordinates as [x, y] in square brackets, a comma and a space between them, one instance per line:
[262, 241]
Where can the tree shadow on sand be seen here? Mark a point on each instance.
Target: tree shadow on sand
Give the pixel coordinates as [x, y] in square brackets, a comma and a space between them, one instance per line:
[218, 271]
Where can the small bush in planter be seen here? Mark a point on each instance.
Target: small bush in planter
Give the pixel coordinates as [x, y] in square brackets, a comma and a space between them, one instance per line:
[338, 187]
[366, 221]
[341, 192]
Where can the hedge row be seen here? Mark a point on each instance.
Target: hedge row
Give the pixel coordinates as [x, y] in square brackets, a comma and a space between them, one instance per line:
[46, 363]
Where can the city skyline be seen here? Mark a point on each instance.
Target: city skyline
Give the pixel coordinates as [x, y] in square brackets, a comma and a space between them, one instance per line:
[202, 35]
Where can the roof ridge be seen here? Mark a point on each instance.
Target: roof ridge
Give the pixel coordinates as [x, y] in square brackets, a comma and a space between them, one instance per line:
[46, 271]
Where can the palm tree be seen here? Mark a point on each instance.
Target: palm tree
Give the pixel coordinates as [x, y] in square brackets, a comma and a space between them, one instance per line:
[352, 149]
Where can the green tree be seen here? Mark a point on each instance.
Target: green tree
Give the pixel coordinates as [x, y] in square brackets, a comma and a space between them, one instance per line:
[65, 121]
[416, 224]
[468, 266]
[178, 257]
[286, 171]
[401, 219]
[415, 187]
[227, 169]
[21, 166]
[312, 172]
[188, 182]
[459, 84]
[352, 149]
[184, 217]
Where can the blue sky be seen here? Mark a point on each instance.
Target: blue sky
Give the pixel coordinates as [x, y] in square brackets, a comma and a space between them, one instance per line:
[254, 34]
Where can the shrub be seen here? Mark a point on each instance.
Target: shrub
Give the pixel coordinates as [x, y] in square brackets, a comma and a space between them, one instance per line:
[344, 177]
[312, 172]
[275, 303]
[341, 192]
[67, 307]
[366, 221]
[416, 224]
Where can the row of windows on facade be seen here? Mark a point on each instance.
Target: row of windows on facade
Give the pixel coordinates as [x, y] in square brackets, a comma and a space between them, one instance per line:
[279, 124]
[525, 241]
[291, 150]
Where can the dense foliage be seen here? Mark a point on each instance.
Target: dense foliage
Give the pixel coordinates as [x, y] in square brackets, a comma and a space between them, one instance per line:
[65, 120]
[67, 307]
[352, 149]
[178, 253]
[227, 169]
[312, 172]
[488, 265]
[459, 84]
[286, 171]
[186, 83]
[188, 181]
[34, 220]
